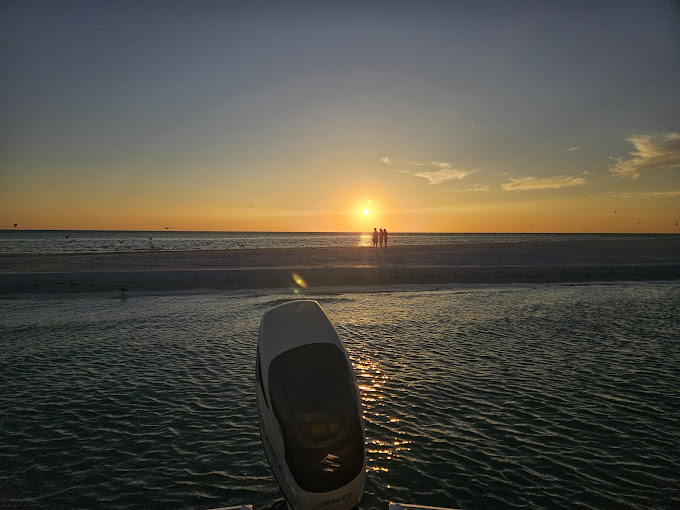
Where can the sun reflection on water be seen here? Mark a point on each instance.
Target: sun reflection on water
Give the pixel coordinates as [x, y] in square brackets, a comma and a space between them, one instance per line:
[365, 240]
[383, 442]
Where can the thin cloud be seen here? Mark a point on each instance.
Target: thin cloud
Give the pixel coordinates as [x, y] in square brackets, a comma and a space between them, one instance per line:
[443, 175]
[652, 152]
[533, 183]
[441, 164]
[572, 149]
[482, 125]
[435, 172]
[651, 194]
[473, 189]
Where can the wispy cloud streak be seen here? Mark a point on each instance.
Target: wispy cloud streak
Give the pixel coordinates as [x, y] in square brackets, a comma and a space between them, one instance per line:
[435, 172]
[652, 152]
[478, 188]
[443, 175]
[534, 183]
[651, 194]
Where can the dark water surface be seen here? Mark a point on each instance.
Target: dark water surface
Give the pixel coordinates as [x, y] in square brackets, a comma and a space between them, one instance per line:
[110, 241]
[482, 398]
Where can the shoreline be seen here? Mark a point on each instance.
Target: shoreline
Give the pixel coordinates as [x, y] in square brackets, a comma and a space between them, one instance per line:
[488, 263]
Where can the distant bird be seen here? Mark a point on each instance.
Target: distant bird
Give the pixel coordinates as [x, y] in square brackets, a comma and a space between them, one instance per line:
[241, 245]
[66, 237]
[166, 228]
[150, 238]
[14, 226]
[120, 241]
[250, 206]
[616, 211]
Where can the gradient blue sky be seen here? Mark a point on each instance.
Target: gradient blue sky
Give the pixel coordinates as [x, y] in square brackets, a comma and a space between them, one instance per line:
[436, 116]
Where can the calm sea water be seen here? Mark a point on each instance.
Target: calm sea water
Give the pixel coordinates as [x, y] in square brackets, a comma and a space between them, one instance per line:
[548, 396]
[97, 241]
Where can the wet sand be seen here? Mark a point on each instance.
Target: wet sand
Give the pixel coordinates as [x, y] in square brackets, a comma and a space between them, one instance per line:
[484, 263]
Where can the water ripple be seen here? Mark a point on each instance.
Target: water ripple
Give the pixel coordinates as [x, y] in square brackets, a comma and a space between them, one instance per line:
[512, 397]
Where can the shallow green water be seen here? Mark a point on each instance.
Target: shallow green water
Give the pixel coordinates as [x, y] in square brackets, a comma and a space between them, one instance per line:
[492, 397]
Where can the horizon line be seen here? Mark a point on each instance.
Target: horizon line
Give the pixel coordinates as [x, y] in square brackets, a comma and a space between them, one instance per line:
[326, 231]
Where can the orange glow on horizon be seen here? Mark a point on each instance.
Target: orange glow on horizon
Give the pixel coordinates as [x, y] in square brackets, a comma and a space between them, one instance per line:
[483, 213]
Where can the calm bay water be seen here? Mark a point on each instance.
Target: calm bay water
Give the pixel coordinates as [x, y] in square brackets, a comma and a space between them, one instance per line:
[478, 398]
[98, 241]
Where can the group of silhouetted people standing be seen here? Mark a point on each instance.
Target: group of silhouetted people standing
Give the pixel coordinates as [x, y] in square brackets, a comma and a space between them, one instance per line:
[379, 237]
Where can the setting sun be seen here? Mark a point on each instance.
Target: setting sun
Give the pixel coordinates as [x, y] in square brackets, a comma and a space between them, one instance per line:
[366, 211]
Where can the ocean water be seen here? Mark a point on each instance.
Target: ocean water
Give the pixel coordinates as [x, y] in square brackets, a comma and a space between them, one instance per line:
[496, 397]
[103, 241]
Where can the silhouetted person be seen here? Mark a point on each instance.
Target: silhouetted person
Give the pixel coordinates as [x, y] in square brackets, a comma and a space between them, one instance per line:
[375, 237]
[385, 236]
[381, 237]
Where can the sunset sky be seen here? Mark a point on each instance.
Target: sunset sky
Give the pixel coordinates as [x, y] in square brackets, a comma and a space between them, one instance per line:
[445, 116]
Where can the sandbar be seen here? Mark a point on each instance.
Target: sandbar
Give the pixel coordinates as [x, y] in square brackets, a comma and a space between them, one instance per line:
[482, 263]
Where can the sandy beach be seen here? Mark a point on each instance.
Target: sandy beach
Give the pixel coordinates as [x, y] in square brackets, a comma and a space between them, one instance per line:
[484, 263]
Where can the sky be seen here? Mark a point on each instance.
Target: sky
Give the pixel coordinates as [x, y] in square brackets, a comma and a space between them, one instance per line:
[431, 116]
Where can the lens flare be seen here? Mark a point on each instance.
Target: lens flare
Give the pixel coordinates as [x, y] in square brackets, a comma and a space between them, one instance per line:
[298, 280]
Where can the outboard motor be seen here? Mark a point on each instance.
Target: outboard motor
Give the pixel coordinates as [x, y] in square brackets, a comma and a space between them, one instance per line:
[309, 409]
